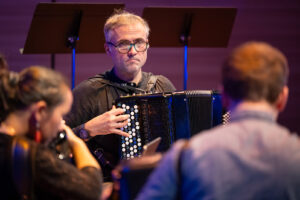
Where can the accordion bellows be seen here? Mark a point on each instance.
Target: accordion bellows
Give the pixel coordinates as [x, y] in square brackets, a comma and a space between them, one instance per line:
[170, 116]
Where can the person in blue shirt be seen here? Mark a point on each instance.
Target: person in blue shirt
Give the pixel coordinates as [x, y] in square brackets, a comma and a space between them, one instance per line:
[252, 157]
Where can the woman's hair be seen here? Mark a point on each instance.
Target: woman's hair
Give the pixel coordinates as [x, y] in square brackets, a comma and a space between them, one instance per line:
[3, 63]
[33, 84]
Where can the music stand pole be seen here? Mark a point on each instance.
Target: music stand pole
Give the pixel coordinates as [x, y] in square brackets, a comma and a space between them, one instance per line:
[184, 38]
[73, 68]
[185, 72]
[72, 44]
[189, 27]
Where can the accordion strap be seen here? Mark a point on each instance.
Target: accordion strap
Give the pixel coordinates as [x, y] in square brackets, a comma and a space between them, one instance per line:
[150, 84]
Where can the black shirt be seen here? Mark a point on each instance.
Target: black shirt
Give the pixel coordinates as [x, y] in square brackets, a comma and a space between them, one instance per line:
[52, 178]
[95, 96]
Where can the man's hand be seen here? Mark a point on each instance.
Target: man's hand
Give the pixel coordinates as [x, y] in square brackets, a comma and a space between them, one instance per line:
[107, 123]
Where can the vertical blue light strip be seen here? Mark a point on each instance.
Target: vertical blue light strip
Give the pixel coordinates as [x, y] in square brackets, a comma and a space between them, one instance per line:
[185, 68]
[73, 68]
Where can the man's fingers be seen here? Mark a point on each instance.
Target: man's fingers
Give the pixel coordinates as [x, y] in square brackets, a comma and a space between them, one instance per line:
[117, 111]
[121, 118]
[120, 124]
[122, 133]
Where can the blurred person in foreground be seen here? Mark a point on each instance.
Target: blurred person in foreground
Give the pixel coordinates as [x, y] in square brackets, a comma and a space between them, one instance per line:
[3, 62]
[252, 157]
[32, 106]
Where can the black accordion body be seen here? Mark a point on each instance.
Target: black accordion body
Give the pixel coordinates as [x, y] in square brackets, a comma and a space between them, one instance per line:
[170, 116]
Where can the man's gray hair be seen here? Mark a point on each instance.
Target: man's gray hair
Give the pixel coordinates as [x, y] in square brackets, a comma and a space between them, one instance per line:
[121, 17]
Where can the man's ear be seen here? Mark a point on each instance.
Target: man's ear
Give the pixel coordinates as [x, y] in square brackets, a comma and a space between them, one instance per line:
[282, 99]
[107, 49]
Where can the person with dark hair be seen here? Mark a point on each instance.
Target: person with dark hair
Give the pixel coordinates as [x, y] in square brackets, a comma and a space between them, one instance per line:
[93, 116]
[3, 63]
[32, 106]
[252, 157]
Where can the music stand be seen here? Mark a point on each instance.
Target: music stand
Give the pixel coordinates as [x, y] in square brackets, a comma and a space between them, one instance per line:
[189, 27]
[68, 27]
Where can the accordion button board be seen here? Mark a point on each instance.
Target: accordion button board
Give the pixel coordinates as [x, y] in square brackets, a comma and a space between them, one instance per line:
[131, 146]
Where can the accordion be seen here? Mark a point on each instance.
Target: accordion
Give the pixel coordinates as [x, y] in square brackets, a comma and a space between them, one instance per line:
[170, 116]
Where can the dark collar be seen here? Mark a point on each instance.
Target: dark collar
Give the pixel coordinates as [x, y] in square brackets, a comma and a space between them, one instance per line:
[111, 76]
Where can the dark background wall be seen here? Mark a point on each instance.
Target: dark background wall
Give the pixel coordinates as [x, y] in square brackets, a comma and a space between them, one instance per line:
[276, 22]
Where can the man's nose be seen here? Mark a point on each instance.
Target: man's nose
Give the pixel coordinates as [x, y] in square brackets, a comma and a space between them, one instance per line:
[132, 50]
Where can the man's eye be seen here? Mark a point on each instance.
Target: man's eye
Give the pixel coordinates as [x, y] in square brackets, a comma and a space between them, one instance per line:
[122, 44]
[141, 41]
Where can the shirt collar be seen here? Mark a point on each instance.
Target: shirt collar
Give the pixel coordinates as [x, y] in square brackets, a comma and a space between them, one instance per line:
[142, 84]
[252, 114]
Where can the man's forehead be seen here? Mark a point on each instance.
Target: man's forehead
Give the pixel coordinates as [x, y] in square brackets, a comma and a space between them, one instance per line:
[128, 32]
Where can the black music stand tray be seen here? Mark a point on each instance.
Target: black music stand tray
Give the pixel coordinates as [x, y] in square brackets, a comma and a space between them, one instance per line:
[189, 27]
[66, 27]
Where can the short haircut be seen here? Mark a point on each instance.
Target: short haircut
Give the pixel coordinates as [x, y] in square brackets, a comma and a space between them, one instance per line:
[255, 71]
[121, 17]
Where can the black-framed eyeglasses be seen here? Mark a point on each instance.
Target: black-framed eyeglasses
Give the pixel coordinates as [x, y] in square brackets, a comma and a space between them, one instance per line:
[125, 46]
